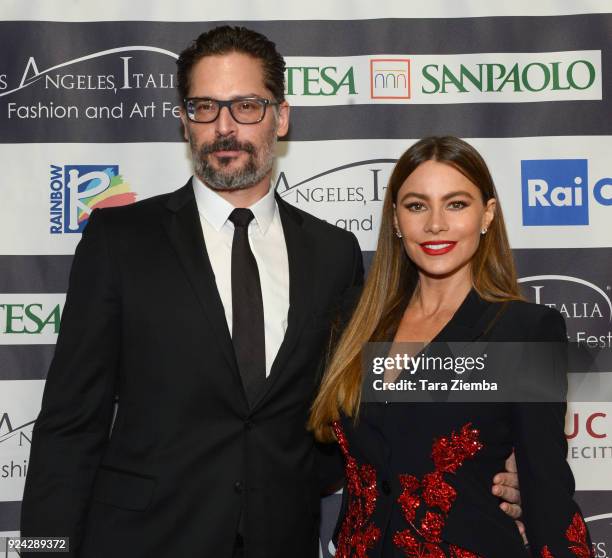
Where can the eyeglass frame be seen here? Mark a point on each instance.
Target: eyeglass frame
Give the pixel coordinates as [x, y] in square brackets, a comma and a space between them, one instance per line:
[228, 104]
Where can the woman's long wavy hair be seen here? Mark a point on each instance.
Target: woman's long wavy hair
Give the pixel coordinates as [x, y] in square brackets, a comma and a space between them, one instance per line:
[393, 278]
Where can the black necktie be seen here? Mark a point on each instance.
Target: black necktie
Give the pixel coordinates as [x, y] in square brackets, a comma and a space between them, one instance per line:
[247, 308]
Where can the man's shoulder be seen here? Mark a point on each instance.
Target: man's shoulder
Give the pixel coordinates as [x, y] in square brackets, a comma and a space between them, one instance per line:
[138, 212]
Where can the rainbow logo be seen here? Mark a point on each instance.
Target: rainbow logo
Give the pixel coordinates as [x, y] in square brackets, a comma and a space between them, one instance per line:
[117, 193]
[76, 190]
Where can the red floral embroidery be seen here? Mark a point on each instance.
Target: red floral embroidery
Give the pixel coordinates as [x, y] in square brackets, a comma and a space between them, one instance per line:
[457, 552]
[415, 549]
[431, 526]
[406, 541]
[576, 534]
[408, 500]
[437, 493]
[448, 454]
[357, 534]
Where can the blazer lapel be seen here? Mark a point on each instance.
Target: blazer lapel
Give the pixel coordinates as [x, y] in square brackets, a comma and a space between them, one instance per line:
[299, 252]
[468, 325]
[182, 224]
[470, 321]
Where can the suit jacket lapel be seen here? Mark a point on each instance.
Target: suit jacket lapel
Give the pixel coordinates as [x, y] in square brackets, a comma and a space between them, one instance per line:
[470, 320]
[468, 325]
[299, 252]
[182, 224]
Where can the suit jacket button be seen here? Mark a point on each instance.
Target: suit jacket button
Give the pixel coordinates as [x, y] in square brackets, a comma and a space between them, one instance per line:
[386, 487]
[238, 487]
[248, 424]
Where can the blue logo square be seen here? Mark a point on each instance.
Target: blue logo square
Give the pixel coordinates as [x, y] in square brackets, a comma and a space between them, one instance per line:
[555, 192]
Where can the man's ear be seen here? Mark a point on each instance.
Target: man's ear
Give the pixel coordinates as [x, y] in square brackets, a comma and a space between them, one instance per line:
[283, 119]
[185, 122]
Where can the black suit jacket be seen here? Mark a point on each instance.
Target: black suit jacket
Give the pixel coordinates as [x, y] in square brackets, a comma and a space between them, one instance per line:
[143, 323]
[397, 439]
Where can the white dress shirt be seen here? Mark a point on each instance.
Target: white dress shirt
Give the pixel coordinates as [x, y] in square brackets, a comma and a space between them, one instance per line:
[267, 242]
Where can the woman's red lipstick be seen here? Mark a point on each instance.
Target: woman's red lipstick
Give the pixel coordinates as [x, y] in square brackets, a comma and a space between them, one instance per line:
[437, 247]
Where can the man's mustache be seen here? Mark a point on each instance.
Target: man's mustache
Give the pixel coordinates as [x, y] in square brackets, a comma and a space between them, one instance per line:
[227, 144]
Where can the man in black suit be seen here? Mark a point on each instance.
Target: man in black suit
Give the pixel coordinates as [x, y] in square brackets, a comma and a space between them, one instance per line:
[203, 314]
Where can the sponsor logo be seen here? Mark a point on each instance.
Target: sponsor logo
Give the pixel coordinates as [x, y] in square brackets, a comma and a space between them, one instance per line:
[30, 319]
[125, 76]
[113, 74]
[453, 78]
[76, 190]
[582, 309]
[319, 81]
[348, 196]
[503, 75]
[390, 78]
[588, 429]
[594, 424]
[586, 307]
[555, 192]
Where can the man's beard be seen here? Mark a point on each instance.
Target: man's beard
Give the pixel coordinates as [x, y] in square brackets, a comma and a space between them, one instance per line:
[252, 172]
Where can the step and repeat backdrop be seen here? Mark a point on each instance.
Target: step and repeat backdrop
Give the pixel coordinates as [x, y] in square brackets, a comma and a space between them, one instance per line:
[89, 118]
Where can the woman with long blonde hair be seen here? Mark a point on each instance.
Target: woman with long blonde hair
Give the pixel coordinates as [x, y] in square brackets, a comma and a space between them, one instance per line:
[417, 474]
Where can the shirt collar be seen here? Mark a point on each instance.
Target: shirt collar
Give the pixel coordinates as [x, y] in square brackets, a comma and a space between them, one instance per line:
[216, 210]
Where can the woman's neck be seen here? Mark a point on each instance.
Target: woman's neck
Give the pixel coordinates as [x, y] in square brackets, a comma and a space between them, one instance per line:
[434, 295]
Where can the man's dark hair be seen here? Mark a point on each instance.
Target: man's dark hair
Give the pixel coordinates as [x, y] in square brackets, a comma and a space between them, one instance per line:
[227, 39]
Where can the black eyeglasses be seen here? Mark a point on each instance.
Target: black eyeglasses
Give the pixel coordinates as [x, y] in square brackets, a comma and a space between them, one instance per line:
[246, 110]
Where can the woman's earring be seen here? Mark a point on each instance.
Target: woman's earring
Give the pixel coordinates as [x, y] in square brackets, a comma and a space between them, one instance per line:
[483, 230]
[398, 233]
